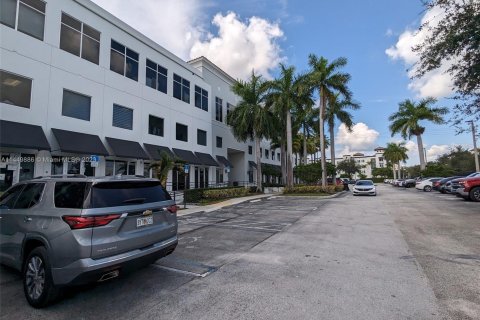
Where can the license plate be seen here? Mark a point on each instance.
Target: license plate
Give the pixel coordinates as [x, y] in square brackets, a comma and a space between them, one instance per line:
[145, 221]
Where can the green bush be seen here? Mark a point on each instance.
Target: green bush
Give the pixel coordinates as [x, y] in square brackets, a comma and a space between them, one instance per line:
[225, 193]
[299, 189]
[197, 195]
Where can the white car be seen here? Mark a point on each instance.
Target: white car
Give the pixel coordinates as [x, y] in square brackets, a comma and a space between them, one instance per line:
[426, 184]
[364, 187]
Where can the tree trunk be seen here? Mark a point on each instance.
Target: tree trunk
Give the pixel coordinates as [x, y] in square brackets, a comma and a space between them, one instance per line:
[394, 172]
[332, 149]
[259, 164]
[282, 162]
[421, 152]
[304, 145]
[323, 100]
[399, 171]
[289, 150]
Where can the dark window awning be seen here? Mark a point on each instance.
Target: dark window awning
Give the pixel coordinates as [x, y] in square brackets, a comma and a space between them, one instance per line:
[224, 161]
[187, 156]
[155, 151]
[127, 149]
[22, 135]
[252, 164]
[206, 159]
[82, 143]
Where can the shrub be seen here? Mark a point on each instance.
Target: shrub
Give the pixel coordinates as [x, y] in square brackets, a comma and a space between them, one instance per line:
[225, 193]
[299, 189]
[197, 195]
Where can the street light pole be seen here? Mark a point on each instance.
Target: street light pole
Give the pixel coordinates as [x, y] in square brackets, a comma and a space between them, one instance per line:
[475, 150]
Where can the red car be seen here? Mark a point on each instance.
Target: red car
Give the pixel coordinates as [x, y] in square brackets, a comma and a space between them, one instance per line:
[470, 188]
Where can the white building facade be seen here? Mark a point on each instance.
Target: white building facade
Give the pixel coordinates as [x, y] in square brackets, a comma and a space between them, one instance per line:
[84, 93]
[368, 162]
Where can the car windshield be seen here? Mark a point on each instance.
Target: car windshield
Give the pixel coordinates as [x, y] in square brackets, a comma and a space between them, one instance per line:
[364, 183]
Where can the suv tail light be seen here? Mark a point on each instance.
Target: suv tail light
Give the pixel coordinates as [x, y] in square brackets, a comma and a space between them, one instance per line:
[77, 222]
[172, 209]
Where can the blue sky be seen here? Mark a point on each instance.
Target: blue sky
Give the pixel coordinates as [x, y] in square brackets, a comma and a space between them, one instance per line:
[361, 31]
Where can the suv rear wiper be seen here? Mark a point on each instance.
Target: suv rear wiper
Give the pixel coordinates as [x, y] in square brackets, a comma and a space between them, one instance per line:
[134, 200]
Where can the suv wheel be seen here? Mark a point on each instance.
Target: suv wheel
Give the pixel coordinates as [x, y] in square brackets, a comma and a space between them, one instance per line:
[37, 279]
[475, 194]
[427, 188]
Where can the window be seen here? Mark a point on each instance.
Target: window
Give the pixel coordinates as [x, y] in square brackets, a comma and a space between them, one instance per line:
[182, 132]
[76, 105]
[70, 194]
[218, 109]
[267, 154]
[119, 193]
[30, 18]
[201, 137]
[27, 166]
[201, 98]
[219, 142]
[273, 154]
[8, 199]
[155, 126]
[57, 165]
[79, 39]
[181, 88]
[15, 90]
[114, 167]
[147, 170]
[219, 175]
[278, 156]
[250, 150]
[30, 196]
[123, 60]
[122, 117]
[156, 76]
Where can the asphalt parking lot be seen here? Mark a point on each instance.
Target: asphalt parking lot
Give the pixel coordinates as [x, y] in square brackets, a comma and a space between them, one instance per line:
[401, 255]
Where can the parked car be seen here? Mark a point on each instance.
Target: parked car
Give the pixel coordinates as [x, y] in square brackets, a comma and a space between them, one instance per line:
[66, 230]
[409, 183]
[397, 182]
[338, 181]
[442, 183]
[455, 183]
[426, 184]
[470, 189]
[364, 187]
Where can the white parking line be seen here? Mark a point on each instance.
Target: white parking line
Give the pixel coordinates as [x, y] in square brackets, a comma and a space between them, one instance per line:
[200, 275]
[257, 200]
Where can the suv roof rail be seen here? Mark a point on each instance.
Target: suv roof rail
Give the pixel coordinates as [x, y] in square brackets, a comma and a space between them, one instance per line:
[75, 175]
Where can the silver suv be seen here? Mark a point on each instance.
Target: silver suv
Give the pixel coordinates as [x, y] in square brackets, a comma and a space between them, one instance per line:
[67, 230]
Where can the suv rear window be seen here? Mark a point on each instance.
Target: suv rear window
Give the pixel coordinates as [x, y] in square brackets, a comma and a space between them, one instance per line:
[70, 194]
[123, 193]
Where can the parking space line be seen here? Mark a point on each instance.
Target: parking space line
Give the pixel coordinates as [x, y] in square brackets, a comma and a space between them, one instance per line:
[200, 275]
[257, 200]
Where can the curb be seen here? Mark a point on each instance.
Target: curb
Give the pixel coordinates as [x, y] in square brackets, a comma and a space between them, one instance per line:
[216, 206]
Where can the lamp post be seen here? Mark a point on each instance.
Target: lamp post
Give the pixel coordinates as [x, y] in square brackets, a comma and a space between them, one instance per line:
[475, 150]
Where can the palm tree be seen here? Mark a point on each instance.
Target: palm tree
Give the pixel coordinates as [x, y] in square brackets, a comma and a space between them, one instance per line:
[326, 78]
[406, 121]
[336, 109]
[394, 153]
[160, 168]
[251, 119]
[286, 92]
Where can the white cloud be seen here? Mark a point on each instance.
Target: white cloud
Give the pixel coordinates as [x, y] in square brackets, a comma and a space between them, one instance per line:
[362, 138]
[175, 25]
[241, 46]
[436, 83]
[180, 27]
[437, 150]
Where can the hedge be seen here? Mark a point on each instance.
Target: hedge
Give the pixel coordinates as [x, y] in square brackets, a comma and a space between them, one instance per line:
[196, 195]
[313, 189]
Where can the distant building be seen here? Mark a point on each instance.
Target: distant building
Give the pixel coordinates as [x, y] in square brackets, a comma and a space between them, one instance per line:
[369, 162]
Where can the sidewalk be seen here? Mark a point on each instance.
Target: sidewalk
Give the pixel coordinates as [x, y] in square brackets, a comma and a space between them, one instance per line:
[212, 207]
